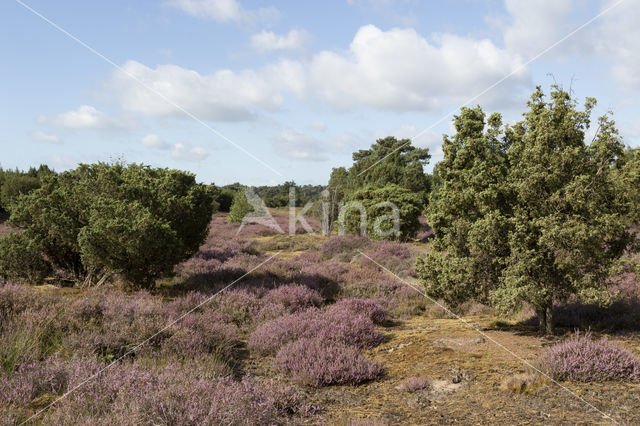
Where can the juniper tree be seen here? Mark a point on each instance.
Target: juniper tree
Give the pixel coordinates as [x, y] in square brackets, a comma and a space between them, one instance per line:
[530, 212]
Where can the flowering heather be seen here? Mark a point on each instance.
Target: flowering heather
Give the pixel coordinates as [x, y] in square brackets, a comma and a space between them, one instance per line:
[343, 245]
[339, 326]
[366, 307]
[208, 332]
[29, 337]
[17, 298]
[315, 362]
[583, 359]
[381, 250]
[133, 393]
[294, 297]
[32, 380]
[414, 384]
[308, 258]
[240, 306]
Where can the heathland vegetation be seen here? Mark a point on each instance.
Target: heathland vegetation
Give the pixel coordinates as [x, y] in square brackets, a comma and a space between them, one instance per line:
[132, 295]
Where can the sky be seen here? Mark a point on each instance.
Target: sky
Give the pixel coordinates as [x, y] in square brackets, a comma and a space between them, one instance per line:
[262, 92]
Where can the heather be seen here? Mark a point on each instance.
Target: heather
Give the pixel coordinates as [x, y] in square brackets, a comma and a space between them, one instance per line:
[414, 384]
[134, 393]
[313, 317]
[343, 326]
[316, 362]
[585, 359]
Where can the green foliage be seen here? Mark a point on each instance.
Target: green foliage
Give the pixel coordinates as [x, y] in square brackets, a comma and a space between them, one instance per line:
[102, 219]
[223, 197]
[390, 161]
[15, 183]
[21, 258]
[278, 195]
[379, 213]
[530, 212]
[239, 208]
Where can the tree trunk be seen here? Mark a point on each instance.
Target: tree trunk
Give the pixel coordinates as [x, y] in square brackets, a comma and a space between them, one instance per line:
[542, 319]
[549, 317]
[545, 318]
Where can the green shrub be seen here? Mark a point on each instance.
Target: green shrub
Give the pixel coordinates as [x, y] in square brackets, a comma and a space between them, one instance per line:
[21, 258]
[102, 219]
[409, 206]
[14, 185]
[224, 198]
[239, 208]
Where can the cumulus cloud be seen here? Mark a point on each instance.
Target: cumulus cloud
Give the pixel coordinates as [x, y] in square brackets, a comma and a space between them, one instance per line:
[613, 39]
[268, 41]
[179, 151]
[387, 70]
[188, 153]
[295, 145]
[224, 11]
[154, 141]
[400, 70]
[85, 117]
[225, 95]
[40, 136]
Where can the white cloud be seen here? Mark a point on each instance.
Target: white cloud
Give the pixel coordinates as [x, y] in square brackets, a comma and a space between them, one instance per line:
[400, 70]
[179, 151]
[188, 153]
[318, 125]
[613, 39]
[85, 117]
[44, 137]
[154, 141]
[222, 96]
[619, 38]
[268, 41]
[536, 26]
[224, 11]
[295, 145]
[387, 70]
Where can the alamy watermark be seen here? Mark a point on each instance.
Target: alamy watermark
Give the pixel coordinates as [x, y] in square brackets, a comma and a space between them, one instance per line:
[333, 215]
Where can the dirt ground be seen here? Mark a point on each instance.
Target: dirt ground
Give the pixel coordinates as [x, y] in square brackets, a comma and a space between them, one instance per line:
[467, 372]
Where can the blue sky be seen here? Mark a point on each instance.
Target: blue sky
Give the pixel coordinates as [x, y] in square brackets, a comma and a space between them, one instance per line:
[298, 86]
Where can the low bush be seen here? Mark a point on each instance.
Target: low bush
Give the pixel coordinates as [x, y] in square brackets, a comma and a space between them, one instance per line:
[104, 219]
[294, 297]
[133, 393]
[364, 307]
[315, 362]
[584, 359]
[22, 259]
[32, 380]
[414, 384]
[340, 326]
[342, 245]
[208, 332]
